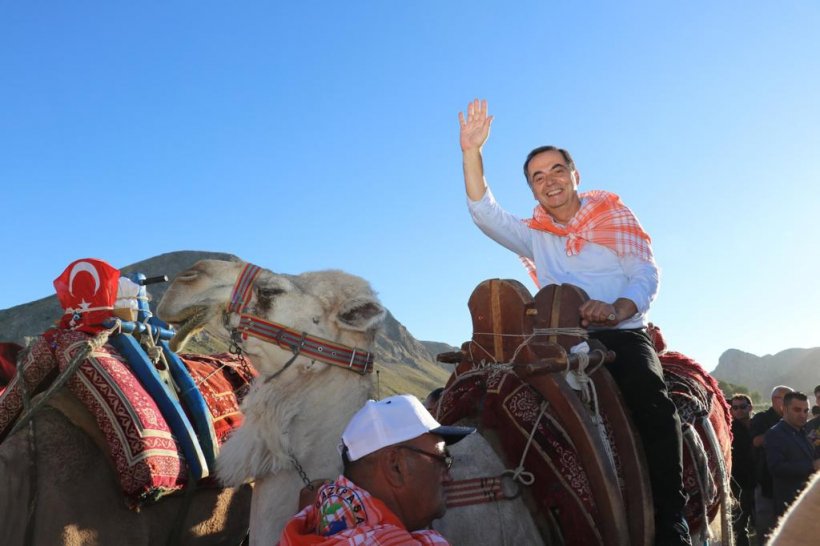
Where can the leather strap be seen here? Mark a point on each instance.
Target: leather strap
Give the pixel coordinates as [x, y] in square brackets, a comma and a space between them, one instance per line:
[314, 347]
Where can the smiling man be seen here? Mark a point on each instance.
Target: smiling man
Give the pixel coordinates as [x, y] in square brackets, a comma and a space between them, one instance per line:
[395, 466]
[593, 241]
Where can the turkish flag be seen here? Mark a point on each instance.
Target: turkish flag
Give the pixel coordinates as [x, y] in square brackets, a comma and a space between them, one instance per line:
[87, 290]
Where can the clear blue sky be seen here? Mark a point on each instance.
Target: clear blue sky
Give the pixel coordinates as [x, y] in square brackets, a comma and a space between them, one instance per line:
[310, 135]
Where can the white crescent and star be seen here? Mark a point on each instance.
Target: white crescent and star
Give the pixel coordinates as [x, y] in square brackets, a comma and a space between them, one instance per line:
[88, 268]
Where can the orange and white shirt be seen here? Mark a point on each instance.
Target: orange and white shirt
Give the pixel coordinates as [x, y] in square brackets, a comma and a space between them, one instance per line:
[345, 514]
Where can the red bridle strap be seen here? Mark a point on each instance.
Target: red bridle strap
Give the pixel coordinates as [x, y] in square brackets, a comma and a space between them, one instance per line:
[313, 347]
[475, 491]
[243, 289]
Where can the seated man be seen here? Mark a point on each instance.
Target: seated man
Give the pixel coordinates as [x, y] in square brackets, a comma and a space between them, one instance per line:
[593, 241]
[395, 466]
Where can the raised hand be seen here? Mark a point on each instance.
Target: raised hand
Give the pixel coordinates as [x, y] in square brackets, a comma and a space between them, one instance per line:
[476, 127]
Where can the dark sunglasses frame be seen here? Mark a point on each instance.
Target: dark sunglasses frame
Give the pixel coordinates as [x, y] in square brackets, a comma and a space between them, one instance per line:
[446, 459]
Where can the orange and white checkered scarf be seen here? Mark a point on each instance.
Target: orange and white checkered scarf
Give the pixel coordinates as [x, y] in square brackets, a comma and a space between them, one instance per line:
[345, 514]
[603, 219]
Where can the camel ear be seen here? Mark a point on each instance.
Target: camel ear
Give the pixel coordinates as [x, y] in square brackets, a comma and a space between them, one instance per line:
[361, 314]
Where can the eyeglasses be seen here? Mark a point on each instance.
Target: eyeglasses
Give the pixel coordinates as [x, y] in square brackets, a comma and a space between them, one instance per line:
[740, 406]
[446, 459]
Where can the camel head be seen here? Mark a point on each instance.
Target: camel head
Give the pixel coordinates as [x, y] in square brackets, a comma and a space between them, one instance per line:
[196, 299]
[330, 304]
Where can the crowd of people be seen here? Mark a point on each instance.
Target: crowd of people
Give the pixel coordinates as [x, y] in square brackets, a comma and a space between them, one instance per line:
[774, 453]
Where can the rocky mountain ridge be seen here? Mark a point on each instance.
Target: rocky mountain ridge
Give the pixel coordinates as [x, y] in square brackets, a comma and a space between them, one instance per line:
[797, 368]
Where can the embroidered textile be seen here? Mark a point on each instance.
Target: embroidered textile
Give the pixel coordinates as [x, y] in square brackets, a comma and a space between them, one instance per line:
[697, 395]
[223, 380]
[143, 451]
[506, 405]
[39, 368]
[344, 513]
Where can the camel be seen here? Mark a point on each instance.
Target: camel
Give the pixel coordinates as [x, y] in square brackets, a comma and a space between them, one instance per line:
[71, 456]
[77, 497]
[486, 388]
[296, 410]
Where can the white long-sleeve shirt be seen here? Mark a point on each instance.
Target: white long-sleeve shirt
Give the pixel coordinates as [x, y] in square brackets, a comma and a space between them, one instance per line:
[603, 274]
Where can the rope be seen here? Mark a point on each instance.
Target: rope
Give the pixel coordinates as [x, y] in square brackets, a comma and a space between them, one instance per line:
[589, 396]
[702, 476]
[537, 332]
[569, 331]
[519, 473]
[89, 346]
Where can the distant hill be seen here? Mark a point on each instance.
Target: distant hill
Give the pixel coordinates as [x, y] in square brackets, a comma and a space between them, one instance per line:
[404, 363]
[797, 368]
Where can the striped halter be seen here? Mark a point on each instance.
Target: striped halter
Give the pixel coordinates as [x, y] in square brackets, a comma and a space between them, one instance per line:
[313, 347]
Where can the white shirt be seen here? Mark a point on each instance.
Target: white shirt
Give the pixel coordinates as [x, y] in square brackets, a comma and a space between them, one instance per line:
[602, 274]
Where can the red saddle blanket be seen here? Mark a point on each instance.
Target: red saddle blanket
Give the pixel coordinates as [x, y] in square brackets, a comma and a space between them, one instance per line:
[143, 452]
[509, 407]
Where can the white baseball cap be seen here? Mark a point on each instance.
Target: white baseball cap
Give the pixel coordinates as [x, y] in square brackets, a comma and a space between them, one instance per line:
[391, 421]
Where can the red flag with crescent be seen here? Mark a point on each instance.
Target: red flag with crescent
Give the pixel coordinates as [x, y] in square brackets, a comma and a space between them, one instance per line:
[87, 290]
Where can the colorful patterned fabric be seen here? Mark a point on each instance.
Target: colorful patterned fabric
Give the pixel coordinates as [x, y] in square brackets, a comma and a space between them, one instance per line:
[143, 451]
[344, 513]
[223, 380]
[697, 395]
[603, 219]
[39, 368]
[508, 406]
[8, 363]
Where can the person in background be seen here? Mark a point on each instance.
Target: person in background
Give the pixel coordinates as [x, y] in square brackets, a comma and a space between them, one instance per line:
[789, 454]
[764, 502]
[743, 471]
[395, 466]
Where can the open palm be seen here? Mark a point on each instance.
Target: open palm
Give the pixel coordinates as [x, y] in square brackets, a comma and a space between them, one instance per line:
[476, 127]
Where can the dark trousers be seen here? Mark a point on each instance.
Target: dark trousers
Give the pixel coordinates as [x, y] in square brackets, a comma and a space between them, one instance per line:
[743, 514]
[638, 373]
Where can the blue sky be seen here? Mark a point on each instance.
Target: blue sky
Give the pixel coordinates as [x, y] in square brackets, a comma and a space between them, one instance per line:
[311, 135]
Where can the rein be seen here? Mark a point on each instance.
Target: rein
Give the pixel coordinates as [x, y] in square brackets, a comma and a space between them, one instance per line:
[299, 343]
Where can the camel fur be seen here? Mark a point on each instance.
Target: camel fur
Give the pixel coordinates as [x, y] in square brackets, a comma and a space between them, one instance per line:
[299, 415]
[79, 499]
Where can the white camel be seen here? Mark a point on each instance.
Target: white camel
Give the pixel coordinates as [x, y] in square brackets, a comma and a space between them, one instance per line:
[298, 407]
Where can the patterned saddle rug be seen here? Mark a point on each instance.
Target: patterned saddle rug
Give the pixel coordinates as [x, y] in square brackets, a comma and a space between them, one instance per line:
[508, 327]
[143, 451]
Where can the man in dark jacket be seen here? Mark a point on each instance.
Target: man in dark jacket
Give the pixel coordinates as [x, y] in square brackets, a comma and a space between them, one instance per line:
[743, 470]
[761, 423]
[789, 454]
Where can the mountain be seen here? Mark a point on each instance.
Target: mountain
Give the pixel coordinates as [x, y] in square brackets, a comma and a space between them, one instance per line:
[403, 363]
[797, 368]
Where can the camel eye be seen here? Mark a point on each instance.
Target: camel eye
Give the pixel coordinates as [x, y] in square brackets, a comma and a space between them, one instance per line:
[265, 298]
